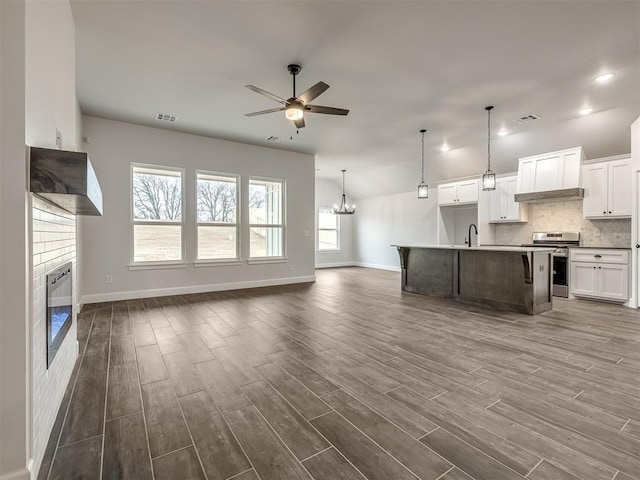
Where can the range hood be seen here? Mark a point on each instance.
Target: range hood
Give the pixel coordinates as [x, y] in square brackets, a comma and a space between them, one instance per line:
[66, 179]
[550, 195]
[553, 176]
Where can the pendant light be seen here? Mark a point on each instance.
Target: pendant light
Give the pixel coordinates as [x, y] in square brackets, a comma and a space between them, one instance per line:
[344, 209]
[423, 188]
[488, 178]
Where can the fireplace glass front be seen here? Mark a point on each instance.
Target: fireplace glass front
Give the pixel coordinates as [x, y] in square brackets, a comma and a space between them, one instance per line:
[59, 308]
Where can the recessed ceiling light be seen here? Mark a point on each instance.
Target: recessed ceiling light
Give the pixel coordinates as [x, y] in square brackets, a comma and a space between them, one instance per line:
[585, 111]
[604, 78]
[503, 132]
[445, 148]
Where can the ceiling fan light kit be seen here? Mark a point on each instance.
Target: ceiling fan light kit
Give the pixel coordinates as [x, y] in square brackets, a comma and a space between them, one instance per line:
[489, 177]
[344, 208]
[295, 107]
[423, 188]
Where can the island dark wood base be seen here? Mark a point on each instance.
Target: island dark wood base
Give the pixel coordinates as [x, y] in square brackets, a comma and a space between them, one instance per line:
[519, 281]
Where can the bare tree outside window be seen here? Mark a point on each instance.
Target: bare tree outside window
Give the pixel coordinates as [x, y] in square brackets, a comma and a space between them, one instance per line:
[216, 201]
[157, 197]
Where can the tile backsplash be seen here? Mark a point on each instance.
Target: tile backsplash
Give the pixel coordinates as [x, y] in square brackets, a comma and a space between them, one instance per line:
[566, 216]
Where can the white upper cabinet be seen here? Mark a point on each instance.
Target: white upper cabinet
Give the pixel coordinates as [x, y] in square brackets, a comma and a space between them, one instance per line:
[458, 193]
[607, 189]
[550, 171]
[502, 205]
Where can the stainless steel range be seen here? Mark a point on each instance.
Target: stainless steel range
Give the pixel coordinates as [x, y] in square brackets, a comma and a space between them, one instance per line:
[561, 241]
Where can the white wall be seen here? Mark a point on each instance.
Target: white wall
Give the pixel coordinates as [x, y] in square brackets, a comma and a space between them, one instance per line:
[393, 219]
[14, 327]
[50, 105]
[106, 240]
[328, 193]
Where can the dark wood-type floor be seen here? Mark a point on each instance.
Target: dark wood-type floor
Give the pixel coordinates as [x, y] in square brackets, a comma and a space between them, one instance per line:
[348, 378]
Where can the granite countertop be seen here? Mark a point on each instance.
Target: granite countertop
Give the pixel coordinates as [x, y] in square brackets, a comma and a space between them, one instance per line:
[601, 248]
[488, 248]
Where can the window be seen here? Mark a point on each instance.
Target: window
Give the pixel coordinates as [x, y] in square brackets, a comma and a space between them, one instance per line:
[157, 213]
[266, 218]
[217, 216]
[328, 230]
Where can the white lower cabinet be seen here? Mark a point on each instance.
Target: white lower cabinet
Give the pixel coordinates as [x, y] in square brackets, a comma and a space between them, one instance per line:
[592, 276]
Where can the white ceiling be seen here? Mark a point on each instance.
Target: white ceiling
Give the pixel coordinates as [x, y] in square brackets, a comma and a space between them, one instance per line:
[398, 66]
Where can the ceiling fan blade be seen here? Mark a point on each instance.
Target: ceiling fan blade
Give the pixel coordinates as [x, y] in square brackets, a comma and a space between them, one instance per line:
[299, 123]
[262, 112]
[313, 92]
[267, 94]
[327, 110]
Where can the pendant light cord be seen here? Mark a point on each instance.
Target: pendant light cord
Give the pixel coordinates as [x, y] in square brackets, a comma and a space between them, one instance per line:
[489, 138]
[423, 132]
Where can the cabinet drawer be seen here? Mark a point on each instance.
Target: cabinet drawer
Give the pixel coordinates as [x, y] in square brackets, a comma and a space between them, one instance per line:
[599, 255]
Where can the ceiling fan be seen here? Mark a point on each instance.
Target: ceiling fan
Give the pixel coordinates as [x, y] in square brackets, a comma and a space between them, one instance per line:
[295, 106]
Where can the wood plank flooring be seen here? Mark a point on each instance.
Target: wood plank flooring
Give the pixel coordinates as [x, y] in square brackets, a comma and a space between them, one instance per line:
[349, 378]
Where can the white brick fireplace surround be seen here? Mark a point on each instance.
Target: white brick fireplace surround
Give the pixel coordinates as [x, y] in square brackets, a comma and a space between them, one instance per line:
[54, 243]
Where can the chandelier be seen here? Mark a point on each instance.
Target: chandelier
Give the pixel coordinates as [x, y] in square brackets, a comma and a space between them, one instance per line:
[344, 208]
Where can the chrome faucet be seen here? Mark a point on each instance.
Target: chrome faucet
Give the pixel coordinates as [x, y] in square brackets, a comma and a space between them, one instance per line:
[476, 229]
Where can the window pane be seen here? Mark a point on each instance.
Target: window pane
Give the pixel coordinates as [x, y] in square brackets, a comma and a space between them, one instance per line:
[265, 202]
[157, 194]
[327, 219]
[217, 197]
[266, 242]
[216, 242]
[328, 240]
[157, 243]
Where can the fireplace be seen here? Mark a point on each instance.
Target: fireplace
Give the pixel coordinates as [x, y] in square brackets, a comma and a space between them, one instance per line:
[59, 308]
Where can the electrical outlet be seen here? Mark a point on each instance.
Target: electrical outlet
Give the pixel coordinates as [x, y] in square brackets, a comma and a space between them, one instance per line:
[306, 233]
[109, 279]
[596, 233]
[58, 139]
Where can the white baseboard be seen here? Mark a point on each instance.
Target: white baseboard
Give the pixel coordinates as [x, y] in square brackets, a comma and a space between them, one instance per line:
[217, 287]
[336, 265]
[22, 474]
[377, 266]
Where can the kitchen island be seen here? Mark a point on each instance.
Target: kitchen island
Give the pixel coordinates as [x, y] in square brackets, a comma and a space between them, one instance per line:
[506, 278]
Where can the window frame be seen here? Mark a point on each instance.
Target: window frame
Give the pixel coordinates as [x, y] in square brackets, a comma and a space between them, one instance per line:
[337, 230]
[238, 222]
[282, 225]
[139, 265]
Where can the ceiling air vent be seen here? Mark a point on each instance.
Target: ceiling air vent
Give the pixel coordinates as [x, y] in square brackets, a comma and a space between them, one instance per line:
[527, 118]
[273, 138]
[166, 118]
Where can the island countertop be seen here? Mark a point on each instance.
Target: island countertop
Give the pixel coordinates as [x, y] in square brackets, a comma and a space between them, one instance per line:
[488, 248]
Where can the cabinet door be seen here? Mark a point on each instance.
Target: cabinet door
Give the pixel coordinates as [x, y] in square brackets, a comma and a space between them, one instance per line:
[546, 172]
[468, 191]
[613, 281]
[496, 202]
[511, 207]
[619, 198]
[584, 278]
[569, 169]
[447, 194]
[525, 175]
[595, 190]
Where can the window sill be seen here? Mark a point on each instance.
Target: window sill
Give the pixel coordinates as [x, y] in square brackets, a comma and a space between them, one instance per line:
[157, 265]
[328, 251]
[258, 261]
[216, 263]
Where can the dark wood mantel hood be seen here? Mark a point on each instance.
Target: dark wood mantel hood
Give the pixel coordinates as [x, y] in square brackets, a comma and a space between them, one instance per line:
[66, 179]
